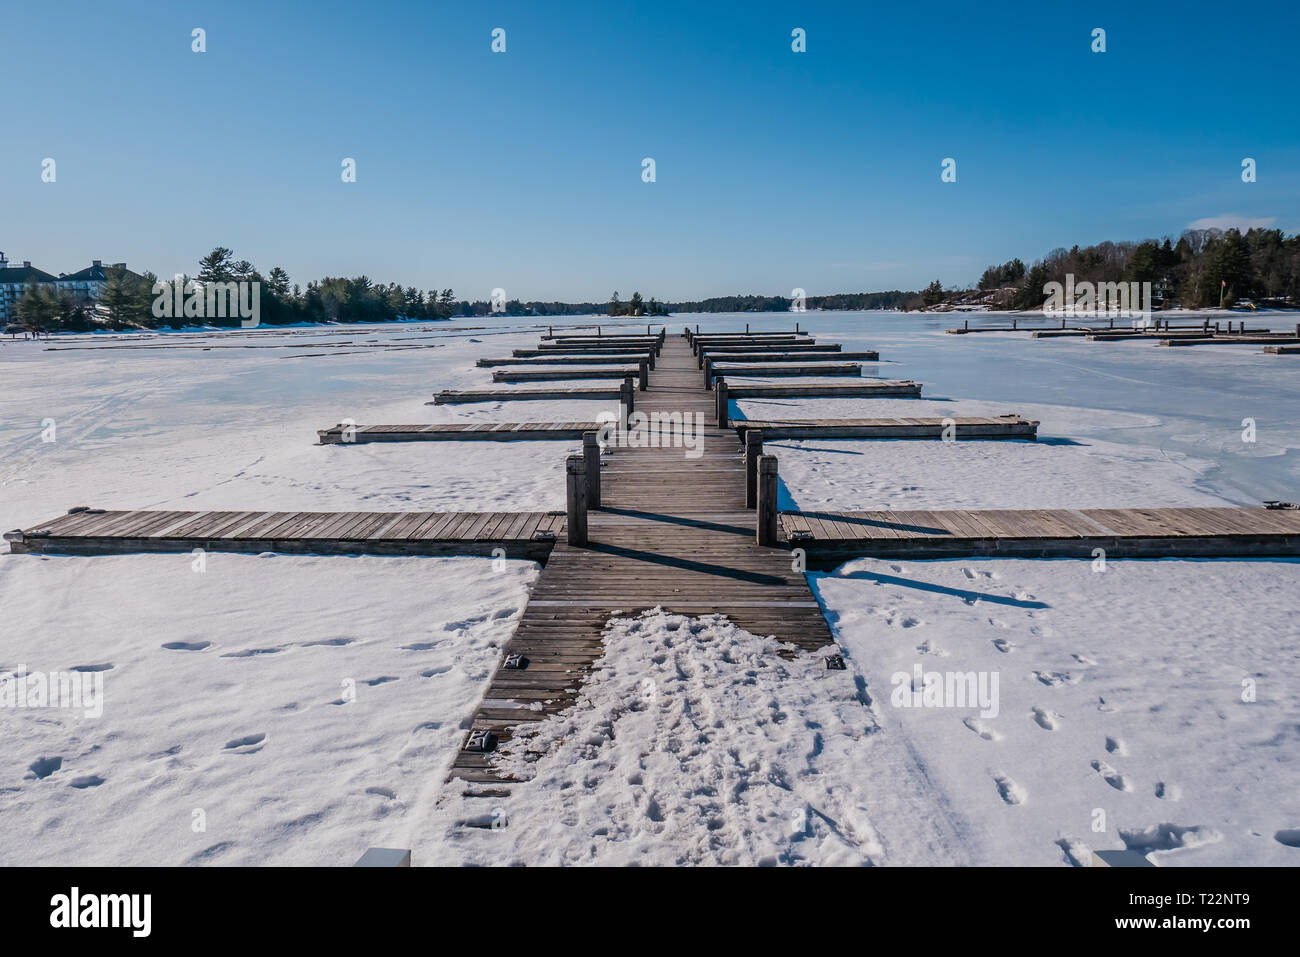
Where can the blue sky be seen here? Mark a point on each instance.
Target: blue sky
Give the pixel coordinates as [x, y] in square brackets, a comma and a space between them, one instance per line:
[522, 170]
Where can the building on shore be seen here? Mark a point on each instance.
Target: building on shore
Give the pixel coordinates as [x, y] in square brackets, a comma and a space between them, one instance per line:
[14, 280]
[85, 285]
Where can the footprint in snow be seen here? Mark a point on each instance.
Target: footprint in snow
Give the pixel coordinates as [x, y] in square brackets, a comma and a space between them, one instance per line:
[1116, 746]
[187, 645]
[1002, 645]
[982, 729]
[1010, 792]
[1168, 792]
[1111, 776]
[1047, 720]
[1290, 836]
[248, 744]
[43, 767]
[1054, 679]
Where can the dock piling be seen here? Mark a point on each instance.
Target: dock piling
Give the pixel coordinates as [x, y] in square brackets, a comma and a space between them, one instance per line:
[626, 396]
[720, 399]
[753, 449]
[644, 366]
[576, 499]
[591, 456]
[766, 510]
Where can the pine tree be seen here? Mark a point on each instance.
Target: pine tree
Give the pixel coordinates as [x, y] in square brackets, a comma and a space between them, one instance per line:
[216, 266]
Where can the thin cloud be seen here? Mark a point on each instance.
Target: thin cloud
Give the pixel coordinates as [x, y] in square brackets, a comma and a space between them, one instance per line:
[1233, 221]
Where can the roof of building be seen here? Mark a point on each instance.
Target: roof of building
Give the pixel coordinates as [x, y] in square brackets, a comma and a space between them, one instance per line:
[96, 272]
[22, 275]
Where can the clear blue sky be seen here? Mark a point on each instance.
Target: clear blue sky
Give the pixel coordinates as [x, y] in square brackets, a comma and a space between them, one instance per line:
[522, 170]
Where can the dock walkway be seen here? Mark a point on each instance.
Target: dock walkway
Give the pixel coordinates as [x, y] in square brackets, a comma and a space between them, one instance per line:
[672, 531]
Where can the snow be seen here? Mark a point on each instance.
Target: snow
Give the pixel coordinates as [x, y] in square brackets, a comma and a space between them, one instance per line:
[298, 708]
[694, 743]
[1120, 691]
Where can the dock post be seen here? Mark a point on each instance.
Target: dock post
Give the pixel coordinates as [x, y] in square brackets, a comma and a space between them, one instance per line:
[1216, 327]
[1205, 326]
[591, 456]
[650, 357]
[1112, 322]
[576, 475]
[746, 328]
[626, 391]
[1013, 325]
[645, 374]
[766, 500]
[1297, 330]
[550, 332]
[753, 449]
[708, 373]
[796, 326]
[965, 324]
[1062, 322]
[720, 399]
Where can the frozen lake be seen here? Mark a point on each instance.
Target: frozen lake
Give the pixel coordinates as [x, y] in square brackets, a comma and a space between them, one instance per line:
[310, 707]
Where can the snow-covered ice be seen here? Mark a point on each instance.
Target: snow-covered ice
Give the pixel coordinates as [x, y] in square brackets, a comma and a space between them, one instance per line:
[1121, 691]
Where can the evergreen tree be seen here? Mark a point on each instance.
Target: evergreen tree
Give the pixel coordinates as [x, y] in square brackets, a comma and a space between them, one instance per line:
[216, 266]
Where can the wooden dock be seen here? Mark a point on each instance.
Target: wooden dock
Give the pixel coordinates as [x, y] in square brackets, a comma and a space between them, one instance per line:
[1282, 350]
[810, 345]
[830, 538]
[527, 535]
[672, 531]
[581, 351]
[963, 427]
[557, 375]
[761, 372]
[1271, 339]
[565, 360]
[593, 348]
[453, 396]
[704, 342]
[455, 432]
[728, 356]
[821, 390]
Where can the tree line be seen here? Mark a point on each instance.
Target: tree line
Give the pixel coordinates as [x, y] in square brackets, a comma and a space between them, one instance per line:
[1205, 267]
